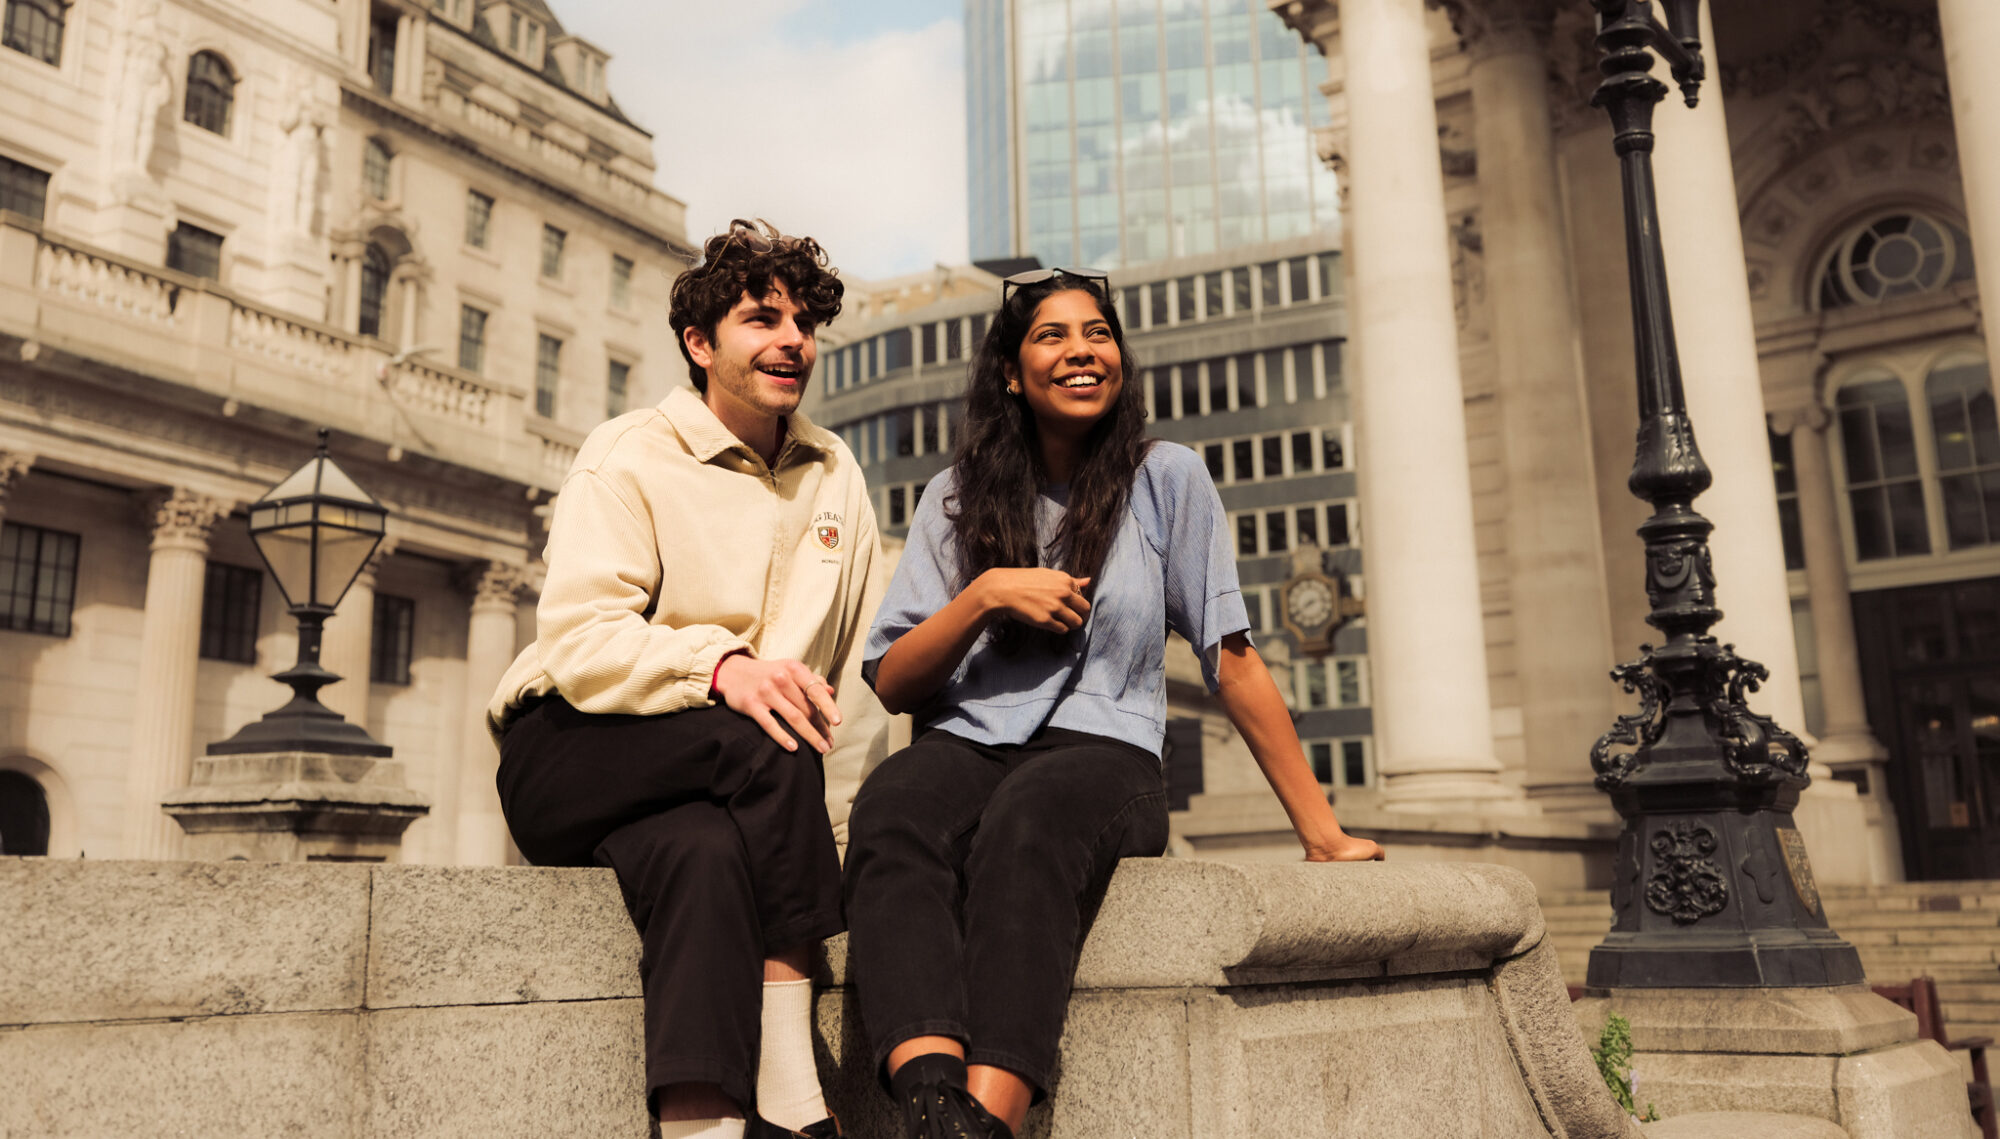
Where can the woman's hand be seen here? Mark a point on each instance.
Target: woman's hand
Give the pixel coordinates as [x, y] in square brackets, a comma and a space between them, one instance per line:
[1044, 598]
[1343, 847]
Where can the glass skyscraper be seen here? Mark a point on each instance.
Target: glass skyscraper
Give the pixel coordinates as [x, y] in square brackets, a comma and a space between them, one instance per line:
[1118, 132]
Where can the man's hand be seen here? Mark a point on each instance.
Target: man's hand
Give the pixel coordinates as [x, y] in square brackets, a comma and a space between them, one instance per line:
[1045, 598]
[770, 690]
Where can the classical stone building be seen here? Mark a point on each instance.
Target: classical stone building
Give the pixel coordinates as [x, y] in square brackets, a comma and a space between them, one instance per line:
[1822, 209]
[426, 227]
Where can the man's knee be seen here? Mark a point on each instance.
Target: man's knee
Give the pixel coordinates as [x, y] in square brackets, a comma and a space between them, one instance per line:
[692, 844]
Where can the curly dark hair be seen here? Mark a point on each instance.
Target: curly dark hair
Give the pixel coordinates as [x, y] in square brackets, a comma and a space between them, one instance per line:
[998, 461]
[746, 259]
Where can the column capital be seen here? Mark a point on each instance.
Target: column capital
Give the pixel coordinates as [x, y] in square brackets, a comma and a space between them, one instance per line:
[365, 576]
[1788, 420]
[1500, 27]
[13, 466]
[496, 585]
[183, 519]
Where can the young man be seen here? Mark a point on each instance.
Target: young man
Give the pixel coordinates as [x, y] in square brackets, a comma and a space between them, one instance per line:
[712, 562]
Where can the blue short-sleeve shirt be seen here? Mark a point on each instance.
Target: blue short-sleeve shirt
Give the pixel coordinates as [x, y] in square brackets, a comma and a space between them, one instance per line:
[1170, 567]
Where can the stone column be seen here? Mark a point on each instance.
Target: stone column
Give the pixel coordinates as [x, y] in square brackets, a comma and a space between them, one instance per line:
[13, 468]
[1971, 29]
[345, 646]
[1562, 616]
[1426, 641]
[346, 314]
[1710, 287]
[1846, 741]
[489, 649]
[169, 651]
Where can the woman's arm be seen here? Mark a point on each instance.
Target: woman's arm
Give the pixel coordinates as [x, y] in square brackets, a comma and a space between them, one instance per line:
[921, 660]
[1259, 713]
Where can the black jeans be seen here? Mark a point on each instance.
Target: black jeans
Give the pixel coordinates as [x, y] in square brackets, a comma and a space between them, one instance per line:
[970, 872]
[723, 853]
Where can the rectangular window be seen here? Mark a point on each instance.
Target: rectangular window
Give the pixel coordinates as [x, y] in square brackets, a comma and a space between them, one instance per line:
[1190, 390]
[1161, 381]
[1211, 289]
[23, 189]
[1211, 454]
[471, 339]
[621, 281]
[1315, 685]
[895, 351]
[1347, 682]
[1246, 381]
[1322, 761]
[230, 597]
[1274, 456]
[382, 54]
[35, 28]
[548, 370]
[1336, 525]
[1354, 763]
[1269, 272]
[1274, 374]
[37, 579]
[617, 388]
[1302, 452]
[927, 428]
[1305, 521]
[1276, 536]
[1329, 275]
[1246, 535]
[552, 251]
[1332, 455]
[1239, 285]
[1301, 275]
[1132, 313]
[395, 631]
[513, 31]
[1253, 602]
[954, 339]
[1788, 500]
[929, 343]
[905, 425]
[1303, 385]
[1218, 387]
[1156, 297]
[1184, 298]
[1243, 464]
[899, 506]
[979, 327]
[478, 218]
[195, 251]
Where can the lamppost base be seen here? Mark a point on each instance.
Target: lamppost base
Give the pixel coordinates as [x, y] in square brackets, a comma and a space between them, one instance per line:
[1767, 958]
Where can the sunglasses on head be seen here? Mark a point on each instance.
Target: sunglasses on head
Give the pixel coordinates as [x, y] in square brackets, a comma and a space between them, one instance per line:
[1096, 280]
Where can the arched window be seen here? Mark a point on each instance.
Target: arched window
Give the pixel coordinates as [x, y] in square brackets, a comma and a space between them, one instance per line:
[1967, 435]
[1884, 489]
[211, 92]
[375, 169]
[35, 28]
[1895, 255]
[374, 287]
[24, 815]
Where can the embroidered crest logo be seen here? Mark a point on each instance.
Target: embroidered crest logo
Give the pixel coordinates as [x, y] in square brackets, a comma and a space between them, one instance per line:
[829, 536]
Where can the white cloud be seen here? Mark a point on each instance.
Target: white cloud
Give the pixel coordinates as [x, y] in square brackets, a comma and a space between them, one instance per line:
[860, 144]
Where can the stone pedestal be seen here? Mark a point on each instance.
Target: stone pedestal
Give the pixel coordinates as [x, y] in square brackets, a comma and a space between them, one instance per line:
[1841, 1054]
[296, 806]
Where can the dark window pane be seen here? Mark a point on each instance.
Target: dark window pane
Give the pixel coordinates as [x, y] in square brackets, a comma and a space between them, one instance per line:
[1898, 441]
[1870, 508]
[1781, 463]
[621, 281]
[895, 350]
[1857, 444]
[24, 806]
[1129, 307]
[1301, 280]
[37, 579]
[1269, 272]
[1246, 535]
[1302, 452]
[1276, 533]
[1242, 462]
[1306, 521]
[1788, 526]
[1332, 457]
[1964, 511]
[1184, 297]
[23, 189]
[395, 634]
[1212, 455]
[904, 424]
[617, 388]
[1253, 602]
[1989, 483]
[35, 28]
[1246, 378]
[1239, 279]
[195, 251]
[1218, 387]
[1329, 275]
[954, 339]
[1336, 525]
[1212, 294]
[1157, 295]
[898, 506]
[471, 338]
[553, 240]
[1949, 428]
[1353, 763]
[1274, 456]
[230, 599]
[1906, 513]
[374, 287]
[930, 343]
[1190, 390]
[1322, 761]
[927, 428]
[478, 213]
[375, 169]
[1163, 393]
[1332, 351]
[211, 91]
[382, 54]
[548, 373]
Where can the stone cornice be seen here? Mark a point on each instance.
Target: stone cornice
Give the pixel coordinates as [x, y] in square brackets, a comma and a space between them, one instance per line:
[1500, 27]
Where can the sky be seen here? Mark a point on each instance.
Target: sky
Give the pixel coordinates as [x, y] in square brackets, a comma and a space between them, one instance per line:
[842, 119]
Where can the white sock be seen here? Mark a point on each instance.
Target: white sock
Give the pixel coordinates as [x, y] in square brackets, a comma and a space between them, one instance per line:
[788, 1092]
[701, 1129]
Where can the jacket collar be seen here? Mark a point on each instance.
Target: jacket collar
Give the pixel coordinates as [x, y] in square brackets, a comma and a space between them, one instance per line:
[706, 436]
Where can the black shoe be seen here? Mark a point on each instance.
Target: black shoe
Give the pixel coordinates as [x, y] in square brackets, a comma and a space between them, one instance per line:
[936, 1105]
[757, 1127]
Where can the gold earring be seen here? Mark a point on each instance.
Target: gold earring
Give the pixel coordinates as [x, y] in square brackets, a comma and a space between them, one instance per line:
[1013, 387]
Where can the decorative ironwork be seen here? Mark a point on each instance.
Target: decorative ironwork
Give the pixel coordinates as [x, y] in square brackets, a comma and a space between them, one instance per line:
[1685, 883]
[1799, 868]
[1694, 771]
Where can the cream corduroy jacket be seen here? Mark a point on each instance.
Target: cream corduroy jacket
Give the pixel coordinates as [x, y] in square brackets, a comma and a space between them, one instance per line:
[673, 544]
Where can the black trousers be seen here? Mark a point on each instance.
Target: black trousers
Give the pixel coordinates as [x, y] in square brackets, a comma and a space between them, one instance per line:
[723, 853]
[970, 874]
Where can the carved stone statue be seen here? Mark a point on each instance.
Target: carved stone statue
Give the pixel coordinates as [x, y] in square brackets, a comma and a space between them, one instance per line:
[146, 88]
[300, 174]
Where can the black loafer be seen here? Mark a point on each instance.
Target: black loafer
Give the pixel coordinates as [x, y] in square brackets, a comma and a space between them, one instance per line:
[936, 1105]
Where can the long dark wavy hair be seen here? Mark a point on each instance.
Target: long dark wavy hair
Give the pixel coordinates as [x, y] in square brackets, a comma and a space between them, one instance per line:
[999, 467]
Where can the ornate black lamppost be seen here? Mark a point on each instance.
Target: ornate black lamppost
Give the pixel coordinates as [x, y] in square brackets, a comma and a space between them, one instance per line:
[315, 530]
[1711, 885]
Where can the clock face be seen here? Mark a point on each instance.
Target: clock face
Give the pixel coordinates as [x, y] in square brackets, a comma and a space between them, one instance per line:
[1310, 603]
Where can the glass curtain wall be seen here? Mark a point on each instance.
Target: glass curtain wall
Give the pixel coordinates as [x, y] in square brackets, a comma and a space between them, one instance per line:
[1148, 129]
[988, 131]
